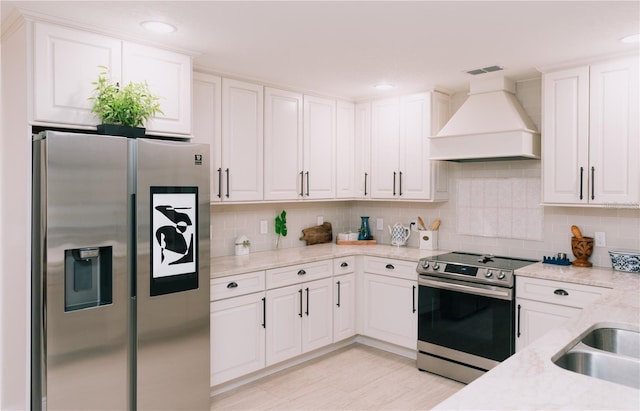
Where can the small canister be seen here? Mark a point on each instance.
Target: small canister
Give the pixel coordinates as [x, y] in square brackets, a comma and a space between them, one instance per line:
[428, 239]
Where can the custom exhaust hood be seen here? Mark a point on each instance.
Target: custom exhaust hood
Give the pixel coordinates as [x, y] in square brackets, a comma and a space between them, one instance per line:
[490, 125]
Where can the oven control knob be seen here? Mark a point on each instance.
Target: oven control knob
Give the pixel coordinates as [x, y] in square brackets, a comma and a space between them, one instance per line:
[489, 274]
[436, 266]
[502, 275]
[425, 265]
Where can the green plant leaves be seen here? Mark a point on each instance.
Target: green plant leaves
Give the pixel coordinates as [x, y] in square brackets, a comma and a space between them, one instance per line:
[131, 105]
[281, 224]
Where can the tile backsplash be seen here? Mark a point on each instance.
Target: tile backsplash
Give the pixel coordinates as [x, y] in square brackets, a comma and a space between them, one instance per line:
[530, 231]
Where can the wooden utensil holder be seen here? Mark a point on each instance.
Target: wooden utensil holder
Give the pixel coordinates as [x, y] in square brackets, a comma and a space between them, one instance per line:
[582, 249]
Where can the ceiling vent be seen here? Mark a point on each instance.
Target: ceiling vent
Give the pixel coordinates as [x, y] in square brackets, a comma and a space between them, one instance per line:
[484, 70]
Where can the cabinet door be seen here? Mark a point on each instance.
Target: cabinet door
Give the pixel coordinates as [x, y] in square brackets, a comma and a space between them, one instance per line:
[440, 114]
[284, 311]
[237, 337]
[415, 168]
[614, 145]
[537, 318]
[385, 146]
[390, 309]
[565, 129]
[282, 145]
[362, 158]
[242, 140]
[344, 307]
[319, 148]
[317, 321]
[169, 77]
[66, 62]
[345, 152]
[207, 124]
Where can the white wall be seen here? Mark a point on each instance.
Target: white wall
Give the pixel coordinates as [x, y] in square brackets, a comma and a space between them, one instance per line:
[621, 226]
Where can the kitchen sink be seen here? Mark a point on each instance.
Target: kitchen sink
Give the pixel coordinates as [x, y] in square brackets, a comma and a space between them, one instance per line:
[610, 354]
[615, 340]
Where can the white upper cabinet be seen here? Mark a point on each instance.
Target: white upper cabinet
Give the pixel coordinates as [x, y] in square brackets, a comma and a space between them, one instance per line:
[240, 172]
[362, 157]
[283, 112]
[67, 62]
[169, 77]
[300, 143]
[345, 152]
[207, 124]
[319, 148]
[590, 135]
[400, 147]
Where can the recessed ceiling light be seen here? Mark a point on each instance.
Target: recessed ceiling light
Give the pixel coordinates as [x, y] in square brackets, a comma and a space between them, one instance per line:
[158, 26]
[384, 86]
[634, 38]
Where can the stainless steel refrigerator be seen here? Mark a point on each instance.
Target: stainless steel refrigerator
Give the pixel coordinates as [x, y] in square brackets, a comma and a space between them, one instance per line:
[120, 273]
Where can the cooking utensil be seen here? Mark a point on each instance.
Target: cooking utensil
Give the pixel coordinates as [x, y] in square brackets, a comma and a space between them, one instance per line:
[576, 232]
[421, 225]
[435, 225]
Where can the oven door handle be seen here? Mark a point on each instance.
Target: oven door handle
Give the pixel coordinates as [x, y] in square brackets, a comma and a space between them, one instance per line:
[494, 292]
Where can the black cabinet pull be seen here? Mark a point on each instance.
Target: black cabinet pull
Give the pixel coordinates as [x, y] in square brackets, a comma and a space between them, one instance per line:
[560, 291]
[519, 308]
[302, 272]
[219, 183]
[264, 312]
[394, 183]
[400, 184]
[581, 178]
[232, 284]
[344, 264]
[301, 183]
[338, 282]
[307, 184]
[227, 171]
[389, 267]
[365, 183]
[593, 186]
[300, 292]
[307, 312]
[414, 298]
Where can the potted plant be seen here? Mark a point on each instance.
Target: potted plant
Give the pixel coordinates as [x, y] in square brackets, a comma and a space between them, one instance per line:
[281, 226]
[123, 110]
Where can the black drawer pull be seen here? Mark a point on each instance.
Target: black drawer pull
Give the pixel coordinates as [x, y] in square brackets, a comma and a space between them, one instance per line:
[519, 308]
[343, 265]
[232, 284]
[302, 272]
[389, 267]
[338, 283]
[414, 299]
[560, 291]
[264, 312]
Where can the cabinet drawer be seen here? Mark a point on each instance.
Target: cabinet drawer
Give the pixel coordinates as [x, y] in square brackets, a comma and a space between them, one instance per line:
[391, 267]
[344, 265]
[280, 277]
[236, 285]
[558, 292]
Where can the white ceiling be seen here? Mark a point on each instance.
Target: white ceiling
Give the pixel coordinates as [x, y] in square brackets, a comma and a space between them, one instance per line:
[342, 48]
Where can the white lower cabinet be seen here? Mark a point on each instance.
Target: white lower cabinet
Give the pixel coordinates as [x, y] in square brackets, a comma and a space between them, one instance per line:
[344, 298]
[389, 301]
[237, 326]
[299, 319]
[545, 304]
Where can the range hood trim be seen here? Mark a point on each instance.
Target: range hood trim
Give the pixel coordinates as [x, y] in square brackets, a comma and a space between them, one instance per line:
[505, 145]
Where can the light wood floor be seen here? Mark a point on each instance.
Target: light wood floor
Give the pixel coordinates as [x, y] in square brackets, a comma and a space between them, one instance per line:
[356, 377]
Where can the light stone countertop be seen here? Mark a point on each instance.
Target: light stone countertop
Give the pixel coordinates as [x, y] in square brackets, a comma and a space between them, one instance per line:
[528, 380]
[226, 266]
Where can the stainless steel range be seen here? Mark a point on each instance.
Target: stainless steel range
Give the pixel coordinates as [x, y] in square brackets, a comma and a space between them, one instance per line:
[466, 313]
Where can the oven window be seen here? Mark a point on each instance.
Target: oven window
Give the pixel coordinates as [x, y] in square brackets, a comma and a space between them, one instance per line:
[477, 325]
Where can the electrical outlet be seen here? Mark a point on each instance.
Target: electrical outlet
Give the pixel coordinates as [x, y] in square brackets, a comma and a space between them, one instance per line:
[379, 224]
[263, 226]
[319, 220]
[413, 225]
[601, 239]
